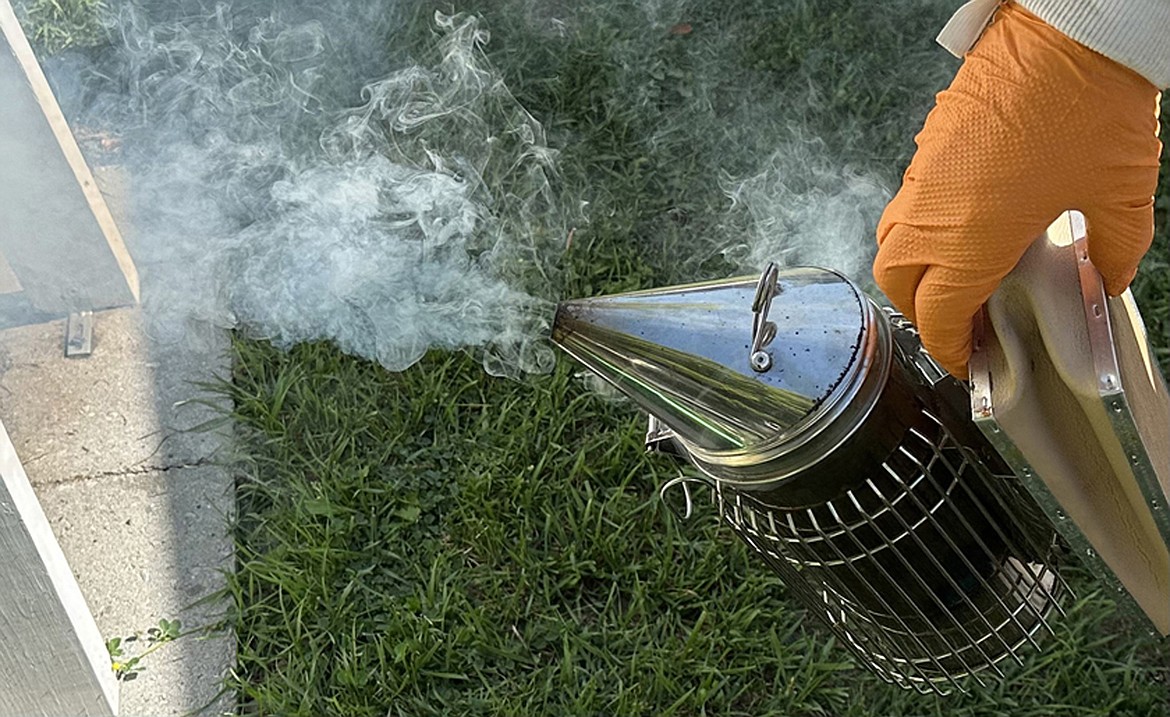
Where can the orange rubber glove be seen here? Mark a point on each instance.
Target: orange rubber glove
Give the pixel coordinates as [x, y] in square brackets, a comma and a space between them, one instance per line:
[1032, 125]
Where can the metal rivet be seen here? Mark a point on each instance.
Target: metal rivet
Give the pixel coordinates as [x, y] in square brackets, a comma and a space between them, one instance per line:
[1116, 406]
[1109, 381]
[761, 361]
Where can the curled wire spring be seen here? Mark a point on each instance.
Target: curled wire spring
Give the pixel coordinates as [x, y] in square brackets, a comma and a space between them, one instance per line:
[681, 480]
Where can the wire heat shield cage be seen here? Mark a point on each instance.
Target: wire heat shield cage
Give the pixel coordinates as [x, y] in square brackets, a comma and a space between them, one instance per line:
[930, 564]
[845, 458]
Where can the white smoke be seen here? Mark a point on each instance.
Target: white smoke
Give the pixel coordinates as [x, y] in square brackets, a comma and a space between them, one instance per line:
[406, 223]
[802, 209]
[347, 172]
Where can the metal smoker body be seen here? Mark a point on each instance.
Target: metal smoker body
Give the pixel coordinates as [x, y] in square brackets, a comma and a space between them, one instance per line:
[844, 457]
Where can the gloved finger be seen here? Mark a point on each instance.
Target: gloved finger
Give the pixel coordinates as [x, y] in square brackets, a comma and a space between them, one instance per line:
[898, 267]
[946, 303]
[1119, 236]
[941, 297]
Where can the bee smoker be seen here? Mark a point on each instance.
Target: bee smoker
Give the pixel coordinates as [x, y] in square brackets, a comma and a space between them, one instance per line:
[846, 459]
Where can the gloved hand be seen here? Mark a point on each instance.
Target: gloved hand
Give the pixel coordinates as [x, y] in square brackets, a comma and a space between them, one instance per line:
[1032, 125]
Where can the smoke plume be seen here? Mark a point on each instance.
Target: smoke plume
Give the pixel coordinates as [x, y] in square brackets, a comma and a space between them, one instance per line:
[259, 201]
[327, 171]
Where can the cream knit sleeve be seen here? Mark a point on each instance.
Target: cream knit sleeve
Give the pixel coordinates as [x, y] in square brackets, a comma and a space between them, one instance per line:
[1135, 33]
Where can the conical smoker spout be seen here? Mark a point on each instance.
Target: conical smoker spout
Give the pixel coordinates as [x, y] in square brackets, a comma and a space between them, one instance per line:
[683, 354]
[702, 401]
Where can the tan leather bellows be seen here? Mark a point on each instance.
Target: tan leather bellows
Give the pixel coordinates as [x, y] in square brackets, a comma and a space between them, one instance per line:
[1065, 387]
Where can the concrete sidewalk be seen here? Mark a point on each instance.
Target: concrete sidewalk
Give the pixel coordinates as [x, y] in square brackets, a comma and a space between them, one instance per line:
[139, 504]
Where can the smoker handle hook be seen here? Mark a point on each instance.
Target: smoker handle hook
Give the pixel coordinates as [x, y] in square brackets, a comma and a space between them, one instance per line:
[763, 331]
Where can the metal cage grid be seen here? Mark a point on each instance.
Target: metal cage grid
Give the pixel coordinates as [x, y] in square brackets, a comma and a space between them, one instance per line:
[930, 571]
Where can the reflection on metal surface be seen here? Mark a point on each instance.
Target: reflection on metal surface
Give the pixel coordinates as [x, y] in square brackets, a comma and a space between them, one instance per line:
[847, 461]
[679, 354]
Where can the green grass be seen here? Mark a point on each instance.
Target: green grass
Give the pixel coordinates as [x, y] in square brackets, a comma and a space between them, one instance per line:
[442, 542]
[56, 25]
[437, 542]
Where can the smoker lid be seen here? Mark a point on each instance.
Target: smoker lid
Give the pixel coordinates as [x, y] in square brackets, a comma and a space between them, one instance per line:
[684, 353]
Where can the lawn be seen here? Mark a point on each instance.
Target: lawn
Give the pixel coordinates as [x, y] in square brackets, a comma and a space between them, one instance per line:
[444, 540]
